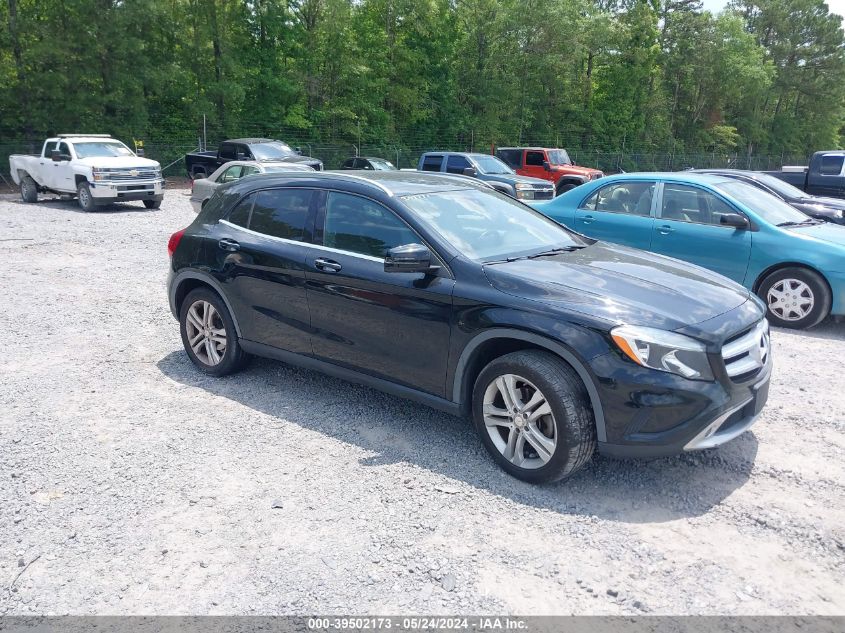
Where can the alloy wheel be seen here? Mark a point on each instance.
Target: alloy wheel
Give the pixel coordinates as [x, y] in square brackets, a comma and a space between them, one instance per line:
[790, 299]
[206, 332]
[520, 422]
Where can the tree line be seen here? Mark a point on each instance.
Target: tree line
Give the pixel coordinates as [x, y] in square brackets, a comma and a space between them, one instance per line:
[763, 76]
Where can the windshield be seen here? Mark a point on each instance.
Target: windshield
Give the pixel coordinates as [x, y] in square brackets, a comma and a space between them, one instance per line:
[381, 165]
[271, 150]
[487, 225]
[783, 188]
[558, 157]
[101, 148]
[770, 208]
[491, 165]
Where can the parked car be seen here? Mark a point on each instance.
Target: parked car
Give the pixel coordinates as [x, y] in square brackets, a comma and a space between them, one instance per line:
[827, 209]
[549, 164]
[489, 169]
[794, 263]
[200, 164]
[202, 188]
[96, 168]
[368, 163]
[445, 292]
[825, 176]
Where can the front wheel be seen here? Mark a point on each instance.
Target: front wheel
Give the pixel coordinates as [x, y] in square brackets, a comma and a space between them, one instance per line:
[565, 187]
[86, 200]
[533, 415]
[797, 298]
[152, 204]
[209, 335]
[29, 190]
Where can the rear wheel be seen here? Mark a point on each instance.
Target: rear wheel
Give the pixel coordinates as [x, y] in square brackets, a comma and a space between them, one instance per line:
[86, 200]
[152, 204]
[29, 190]
[797, 298]
[533, 415]
[209, 335]
[565, 187]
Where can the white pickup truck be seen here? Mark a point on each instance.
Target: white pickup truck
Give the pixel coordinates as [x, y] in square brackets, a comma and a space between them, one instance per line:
[96, 168]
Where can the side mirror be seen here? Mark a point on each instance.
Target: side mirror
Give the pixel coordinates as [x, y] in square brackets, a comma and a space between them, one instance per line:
[139, 151]
[470, 171]
[546, 165]
[409, 258]
[735, 220]
[56, 155]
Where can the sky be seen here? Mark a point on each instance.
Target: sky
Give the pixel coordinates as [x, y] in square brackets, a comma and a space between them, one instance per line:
[835, 6]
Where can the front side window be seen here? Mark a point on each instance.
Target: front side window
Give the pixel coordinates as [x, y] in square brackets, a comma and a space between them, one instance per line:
[486, 225]
[432, 163]
[457, 164]
[534, 158]
[831, 165]
[64, 150]
[233, 173]
[281, 213]
[691, 204]
[362, 226]
[228, 151]
[349, 163]
[624, 197]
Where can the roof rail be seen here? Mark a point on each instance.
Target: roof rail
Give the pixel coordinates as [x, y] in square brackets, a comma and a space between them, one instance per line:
[83, 136]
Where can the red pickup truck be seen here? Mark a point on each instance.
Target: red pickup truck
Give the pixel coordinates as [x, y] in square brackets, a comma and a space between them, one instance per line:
[548, 164]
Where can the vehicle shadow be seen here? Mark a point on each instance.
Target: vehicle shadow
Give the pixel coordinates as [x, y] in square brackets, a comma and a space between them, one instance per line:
[73, 205]
[397, 431]
[829, 329]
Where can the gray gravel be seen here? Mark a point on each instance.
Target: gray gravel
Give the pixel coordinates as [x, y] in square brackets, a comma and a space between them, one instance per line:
[131, 484]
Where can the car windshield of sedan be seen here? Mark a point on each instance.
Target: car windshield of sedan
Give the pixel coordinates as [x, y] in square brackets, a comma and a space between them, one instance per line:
[558, 157]
[770, 208]
[271, 151]
[488, 225]
[101, 149]
[490, 165]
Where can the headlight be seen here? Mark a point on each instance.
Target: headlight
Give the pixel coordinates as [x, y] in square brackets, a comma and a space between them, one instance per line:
[663, 351]
[522, 186]
[99, 174]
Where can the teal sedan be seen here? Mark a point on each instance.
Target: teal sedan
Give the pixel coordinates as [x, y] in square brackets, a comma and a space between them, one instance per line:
[794, 263]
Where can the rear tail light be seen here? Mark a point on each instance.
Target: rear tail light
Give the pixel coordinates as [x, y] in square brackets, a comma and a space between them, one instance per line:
[173, 242]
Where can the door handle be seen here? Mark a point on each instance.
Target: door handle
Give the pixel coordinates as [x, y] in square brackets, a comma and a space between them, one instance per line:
[327, 265]
[229, 245]
[665, 229]
[586, 219]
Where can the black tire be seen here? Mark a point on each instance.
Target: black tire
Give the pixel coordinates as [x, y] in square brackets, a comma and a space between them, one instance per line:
[29, 190]
[152, 204]
[565, 187]
[233, 357]
[571, 415]
[83, 195]
[804, 284]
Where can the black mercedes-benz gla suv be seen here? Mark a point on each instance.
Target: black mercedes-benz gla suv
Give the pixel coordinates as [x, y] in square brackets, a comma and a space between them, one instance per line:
[438, 289]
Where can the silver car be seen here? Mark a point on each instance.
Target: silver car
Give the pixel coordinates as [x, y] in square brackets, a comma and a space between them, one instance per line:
[202, 188]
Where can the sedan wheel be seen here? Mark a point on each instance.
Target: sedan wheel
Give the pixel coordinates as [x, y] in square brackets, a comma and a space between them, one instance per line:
[796, 298]
[791, 299]
[519, 421]
[206, 333]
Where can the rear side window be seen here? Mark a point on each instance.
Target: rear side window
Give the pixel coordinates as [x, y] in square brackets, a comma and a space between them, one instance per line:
[362, 226]
[240, 214]
[227, 151]
[281, 212]
[624, 197]
[831, 165]
[534, 158]
[511, 157]
[457, 164]
[432, 163]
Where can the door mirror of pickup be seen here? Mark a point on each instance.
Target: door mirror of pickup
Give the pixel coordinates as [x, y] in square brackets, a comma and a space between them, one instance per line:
[546, 165]
[735, 220]
[470, 171]
[408, 258]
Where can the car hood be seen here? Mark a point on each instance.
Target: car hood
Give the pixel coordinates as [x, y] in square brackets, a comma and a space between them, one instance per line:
[621, 285]
[118, 162]
[575, 169]
[828, 203]
[295, 158]
[515, 178]
[825, 232]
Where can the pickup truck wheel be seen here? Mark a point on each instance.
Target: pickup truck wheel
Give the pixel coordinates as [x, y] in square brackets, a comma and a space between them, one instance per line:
[533, 415]
[29, 190]
[565, 187]
[152, 204]
[797, 298]
[86, 200]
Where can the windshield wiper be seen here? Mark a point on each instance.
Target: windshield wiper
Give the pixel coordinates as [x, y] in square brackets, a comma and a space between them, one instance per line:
[552, 251]
[807, 222]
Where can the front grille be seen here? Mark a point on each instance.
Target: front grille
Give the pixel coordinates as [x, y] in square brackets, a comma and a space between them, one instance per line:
[544, 194]
[124, 175]
[747, 353]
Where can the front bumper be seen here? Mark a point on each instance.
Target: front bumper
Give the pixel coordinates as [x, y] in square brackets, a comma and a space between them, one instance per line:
[106, 192]
[837, 287]
[657, 414]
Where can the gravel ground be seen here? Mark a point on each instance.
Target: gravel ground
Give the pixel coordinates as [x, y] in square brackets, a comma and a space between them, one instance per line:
[131, 484]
